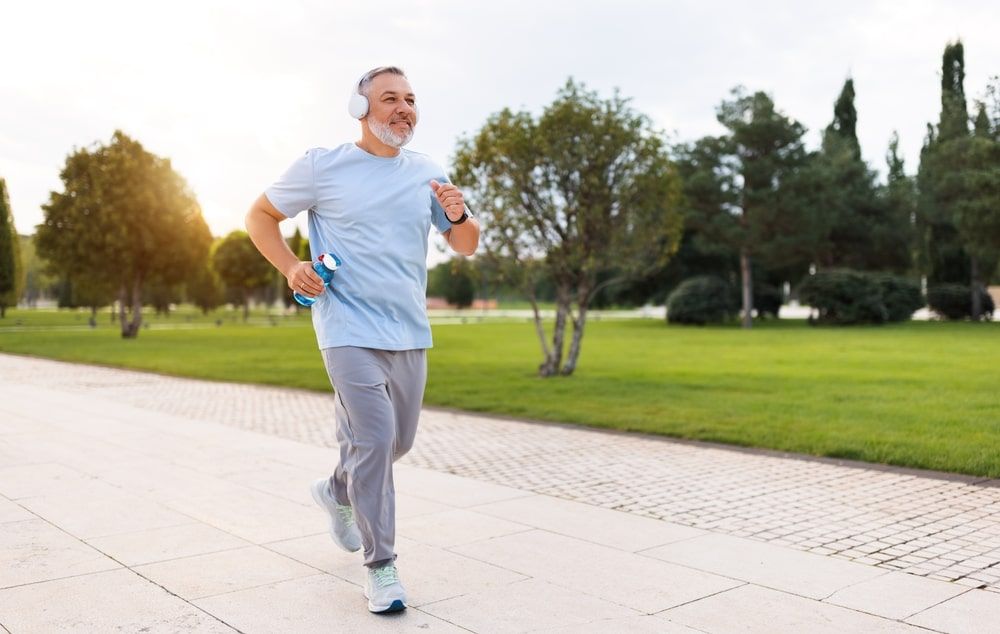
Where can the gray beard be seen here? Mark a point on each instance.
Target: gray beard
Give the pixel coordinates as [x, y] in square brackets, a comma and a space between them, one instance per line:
[384, 133]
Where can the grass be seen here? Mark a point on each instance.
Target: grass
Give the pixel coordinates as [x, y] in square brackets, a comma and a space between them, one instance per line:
[917, 394]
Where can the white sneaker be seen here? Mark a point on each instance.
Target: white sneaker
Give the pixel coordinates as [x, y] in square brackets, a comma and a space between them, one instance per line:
[343, 530]
[383, 590]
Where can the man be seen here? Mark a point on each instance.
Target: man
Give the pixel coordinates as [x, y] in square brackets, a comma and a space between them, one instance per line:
[372, 204]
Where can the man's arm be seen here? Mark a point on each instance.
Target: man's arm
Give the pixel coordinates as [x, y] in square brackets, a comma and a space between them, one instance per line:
[262, 225]
[464, 238]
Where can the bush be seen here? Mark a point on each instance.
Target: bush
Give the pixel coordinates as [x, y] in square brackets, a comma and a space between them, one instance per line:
[844, 297]
[767, 299]
[700, 300]
[901, 296]
[954, 301]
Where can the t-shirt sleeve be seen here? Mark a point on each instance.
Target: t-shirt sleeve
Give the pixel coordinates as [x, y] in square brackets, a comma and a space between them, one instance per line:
[296, 189]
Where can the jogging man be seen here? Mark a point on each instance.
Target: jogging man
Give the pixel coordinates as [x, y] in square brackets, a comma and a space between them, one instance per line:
[372, 204]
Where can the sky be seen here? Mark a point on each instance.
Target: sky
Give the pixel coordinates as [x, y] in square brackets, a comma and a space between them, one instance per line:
[233, 92]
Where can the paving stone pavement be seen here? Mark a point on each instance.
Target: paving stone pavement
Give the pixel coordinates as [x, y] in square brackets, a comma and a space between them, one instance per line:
[933, 525]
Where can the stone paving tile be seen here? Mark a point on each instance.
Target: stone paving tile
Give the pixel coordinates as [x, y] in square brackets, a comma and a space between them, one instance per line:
[319, 603]
[115, 601]
[945, 528]
[974, 612]
[33, 550]
[751, 608]
[638, 582]
[527, 606]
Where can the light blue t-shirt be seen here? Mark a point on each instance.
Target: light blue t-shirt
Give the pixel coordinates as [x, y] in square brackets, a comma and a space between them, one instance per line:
[375, 214]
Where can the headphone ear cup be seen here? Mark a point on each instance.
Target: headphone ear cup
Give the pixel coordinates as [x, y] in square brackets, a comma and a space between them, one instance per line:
[358, 105]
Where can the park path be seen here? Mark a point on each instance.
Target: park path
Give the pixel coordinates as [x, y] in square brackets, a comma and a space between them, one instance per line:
[190, 495]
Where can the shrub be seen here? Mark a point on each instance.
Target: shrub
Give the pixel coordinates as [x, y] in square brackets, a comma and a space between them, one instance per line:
[900, 295]
[700, 300]
[767, 299]
[954, 301]
[844, 297]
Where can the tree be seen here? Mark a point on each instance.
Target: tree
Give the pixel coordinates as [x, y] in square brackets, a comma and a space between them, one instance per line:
[960, 187]
[204, 289]
[241, 267]
[943, 257]
[125, 218]
[972, 185]
[864, 234]
[38, 281]
[898, 201]
[738, 187]
[11, 268]
[587, 185]
[455, 281]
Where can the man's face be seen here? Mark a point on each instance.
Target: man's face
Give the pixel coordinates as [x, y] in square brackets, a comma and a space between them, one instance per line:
[392, 109]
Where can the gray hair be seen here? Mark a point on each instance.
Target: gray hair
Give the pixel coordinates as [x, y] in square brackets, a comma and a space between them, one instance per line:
[365, 85]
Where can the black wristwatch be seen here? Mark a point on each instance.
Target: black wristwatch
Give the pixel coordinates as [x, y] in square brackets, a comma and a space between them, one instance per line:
[465, 216]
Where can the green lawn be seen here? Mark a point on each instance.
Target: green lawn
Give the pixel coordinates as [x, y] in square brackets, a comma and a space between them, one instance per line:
[918, 394]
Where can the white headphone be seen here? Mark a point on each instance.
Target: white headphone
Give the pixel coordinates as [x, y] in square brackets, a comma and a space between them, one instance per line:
[358, 106]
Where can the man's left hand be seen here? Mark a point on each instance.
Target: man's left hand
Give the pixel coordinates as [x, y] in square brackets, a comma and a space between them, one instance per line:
[451, 199]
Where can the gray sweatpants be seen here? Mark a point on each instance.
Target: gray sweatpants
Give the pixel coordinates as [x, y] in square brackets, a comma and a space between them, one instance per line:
[378, 398]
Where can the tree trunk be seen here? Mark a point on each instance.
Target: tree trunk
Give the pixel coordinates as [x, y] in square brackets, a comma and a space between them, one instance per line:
[130, 328]
[550, 367]
[977, 300]
[747, 281]
[539, 327]
[122, 317]
[574, 346]
[246, 306]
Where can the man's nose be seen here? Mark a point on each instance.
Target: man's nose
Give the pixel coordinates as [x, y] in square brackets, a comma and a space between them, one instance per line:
[406, 108]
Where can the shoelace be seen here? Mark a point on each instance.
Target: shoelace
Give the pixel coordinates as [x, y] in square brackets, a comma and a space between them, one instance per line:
[346, 515]
[386, 575]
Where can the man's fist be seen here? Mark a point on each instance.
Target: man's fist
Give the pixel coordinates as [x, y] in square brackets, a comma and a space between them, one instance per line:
[302, 278]
[450, 198]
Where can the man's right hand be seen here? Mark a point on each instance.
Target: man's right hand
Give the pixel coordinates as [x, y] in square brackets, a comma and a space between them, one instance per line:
[302, 278]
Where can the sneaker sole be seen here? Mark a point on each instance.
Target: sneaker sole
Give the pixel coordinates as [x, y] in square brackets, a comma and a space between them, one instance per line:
[395, 606]
[317, 497]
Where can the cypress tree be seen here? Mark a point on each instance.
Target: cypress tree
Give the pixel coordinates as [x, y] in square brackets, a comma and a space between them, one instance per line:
[10, 254]
[845, 119]
[954, 122]
[947, 260]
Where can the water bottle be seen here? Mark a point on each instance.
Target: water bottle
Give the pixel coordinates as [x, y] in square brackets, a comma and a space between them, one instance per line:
[324, 267]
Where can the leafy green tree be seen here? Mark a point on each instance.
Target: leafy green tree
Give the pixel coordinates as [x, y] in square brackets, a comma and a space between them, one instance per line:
[38, 281]
[971, 184]
[204, 289]
[11, 268]
[960, 185]
[586, 185]
[899, 200]
[943, 257]
[241, 267]
[864, 232]
[125, 218]
[738, 187]
[454, 281]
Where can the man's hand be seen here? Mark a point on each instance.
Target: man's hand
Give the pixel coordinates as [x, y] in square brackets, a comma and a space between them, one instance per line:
[302, 278]
[451, 200]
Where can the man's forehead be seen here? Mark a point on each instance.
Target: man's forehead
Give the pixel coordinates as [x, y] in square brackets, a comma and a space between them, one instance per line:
[388, 82]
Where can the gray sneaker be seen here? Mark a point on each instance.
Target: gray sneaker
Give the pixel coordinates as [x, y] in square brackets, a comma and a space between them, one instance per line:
[343, 530]
[383, 590]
